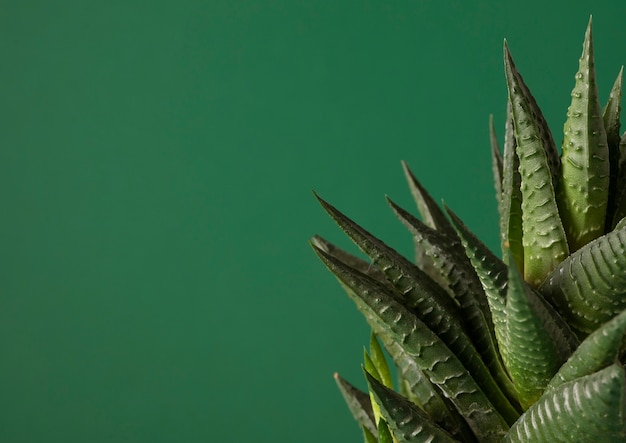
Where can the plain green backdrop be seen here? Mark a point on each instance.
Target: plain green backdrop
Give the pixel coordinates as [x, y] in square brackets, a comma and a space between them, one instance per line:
[156, 167]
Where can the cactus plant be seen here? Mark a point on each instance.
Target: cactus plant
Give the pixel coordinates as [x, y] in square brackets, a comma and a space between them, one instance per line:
[526, 345]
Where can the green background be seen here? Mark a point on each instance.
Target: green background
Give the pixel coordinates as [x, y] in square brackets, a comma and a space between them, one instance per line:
[156, 167]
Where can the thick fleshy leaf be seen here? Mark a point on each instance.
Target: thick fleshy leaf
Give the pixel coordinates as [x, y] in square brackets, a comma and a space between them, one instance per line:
[511, 197]
[611, 114]
[358, 402]
[493, 274]
[611, 118]
[491, 271]
[426, 299]
[535, 347]
[421, 390]
[408, 422]
[407, 278]
[589, 287]
[620, 191]
[427, 241]
[452, 267]
[439, 364]
[543, 238]
[432, 216]
[428, 208]
[600, 349]
[349, 259]
[589, 409]
[585, 171]
[496, 161]
[464, 285]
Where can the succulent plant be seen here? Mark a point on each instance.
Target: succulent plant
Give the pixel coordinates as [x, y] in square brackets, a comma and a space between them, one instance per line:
[526, 345]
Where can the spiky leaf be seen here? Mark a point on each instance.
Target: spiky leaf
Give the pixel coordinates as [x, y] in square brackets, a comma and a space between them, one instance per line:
[384, 434]
[427, 300]
[408, 422]
[496, 160]
[465, 287]
[422, 391]
[589, 409]
[380, 361]
[358, 402]
[611, 118]
[534, 348]
[438, 363]
[585, 171]
[543, 238]
[368, 437]
[510, 206]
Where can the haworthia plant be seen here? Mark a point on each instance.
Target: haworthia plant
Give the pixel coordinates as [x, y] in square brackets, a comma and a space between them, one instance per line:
[525, 347]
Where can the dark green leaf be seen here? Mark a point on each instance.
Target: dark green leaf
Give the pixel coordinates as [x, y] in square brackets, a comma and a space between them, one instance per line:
[439, 364]
[384, 434]
[427, 300]
[407, 421]
[358, 402]
[465, 287]
[427, 396]
[496, 160]
[430, 211]
[611, 118]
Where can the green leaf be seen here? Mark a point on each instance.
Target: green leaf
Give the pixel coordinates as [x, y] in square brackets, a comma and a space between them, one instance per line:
[589, 409]
[511, 198]
[588, 287]
[406, 420]
[442, 367]
[585, 170]
[456, 270]
[370, 367]
[543, 238]
[427, 300]
[380, 361]
[599, 350]
[496, 160]
[358, 402]
[427, 396]
[420, 388]
[407, 278]
[428, 208]
[620, 191]
[494, 276]
[611, 114]
[429, 244]
[491, 271]
[349, 259]
[384, 434]
[611, 119]
[535, 346]
[368, 437]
